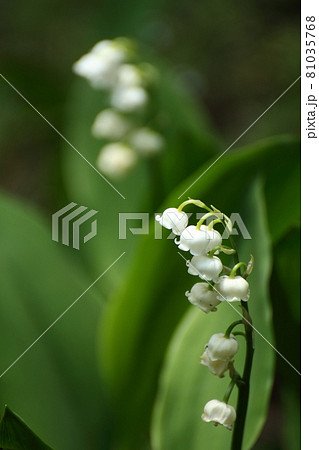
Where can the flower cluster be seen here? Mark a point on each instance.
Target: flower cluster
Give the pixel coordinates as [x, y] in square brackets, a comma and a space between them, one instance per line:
[204, 244]
[111, 66]
[219, 283]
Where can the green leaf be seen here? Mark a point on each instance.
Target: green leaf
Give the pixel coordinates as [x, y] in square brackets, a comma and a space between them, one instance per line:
[16, 435]
[56, 382]
[186, 386]
[283, 196]
[141, 316]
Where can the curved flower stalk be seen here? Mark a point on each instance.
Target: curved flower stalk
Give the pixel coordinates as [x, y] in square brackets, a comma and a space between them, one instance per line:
[114, 67]
[222, 284]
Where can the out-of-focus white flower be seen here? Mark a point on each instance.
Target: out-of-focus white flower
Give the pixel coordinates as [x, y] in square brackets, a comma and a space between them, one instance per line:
[116, 160]
[114, 50]
[222, 348]
[219, 413]
[174, 220]
[205, 267]
[199, 242]
[129, 75]
[203, 296]
[232, 289]
[217, 366]
[109, 124]
[146, 141]
[100, 65]
[129, 99]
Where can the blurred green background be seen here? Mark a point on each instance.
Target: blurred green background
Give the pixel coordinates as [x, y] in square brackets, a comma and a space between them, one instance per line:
[93, 381]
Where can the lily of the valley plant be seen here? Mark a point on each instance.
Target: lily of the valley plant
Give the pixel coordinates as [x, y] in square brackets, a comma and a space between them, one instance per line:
[218, 284]
[127, 124]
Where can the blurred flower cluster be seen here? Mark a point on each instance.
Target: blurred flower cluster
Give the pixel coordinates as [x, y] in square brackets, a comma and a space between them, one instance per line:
[220, 283]
[113, 67]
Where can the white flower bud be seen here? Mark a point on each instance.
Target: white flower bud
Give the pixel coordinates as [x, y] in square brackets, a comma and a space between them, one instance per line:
[217, 366]
[109, 124]
[116, 160]
[174, 220]
[129, 99]
[129, 75]
[112, 50]
[203, 296]
[199, 242]
[100, 65]
[205, 267]
[146, 141]
[219, 413]
[222, 348]
[232, 289]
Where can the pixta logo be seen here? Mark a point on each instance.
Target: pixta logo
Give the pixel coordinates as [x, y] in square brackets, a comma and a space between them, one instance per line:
[143, 220]
[67, 224]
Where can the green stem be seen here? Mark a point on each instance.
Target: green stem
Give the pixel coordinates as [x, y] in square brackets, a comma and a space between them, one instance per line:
[239, 333]
[213, 222]
[230, 328]
[235, 268]
[233, 245]
[229, 390]
[202, 220]
[192, 201]
[243, 389]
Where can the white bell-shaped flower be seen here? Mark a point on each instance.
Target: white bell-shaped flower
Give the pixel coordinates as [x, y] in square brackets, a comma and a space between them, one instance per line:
[112, 50]
[214, 236]
[109, 124]
[217, 367]
[146, 142]
[129, 75]
[207, 268]
[101, 64]
[222, 348]
[129, 98]
[116, 160]
[203, 296]
[219, 413]
[232, 289]
[198, 241]
[174, 220]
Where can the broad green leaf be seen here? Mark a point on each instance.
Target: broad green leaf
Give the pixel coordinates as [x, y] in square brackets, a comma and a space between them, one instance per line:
[16, 435]
[186, 386]
[142, 315]
[283, 195]
[55, 384]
